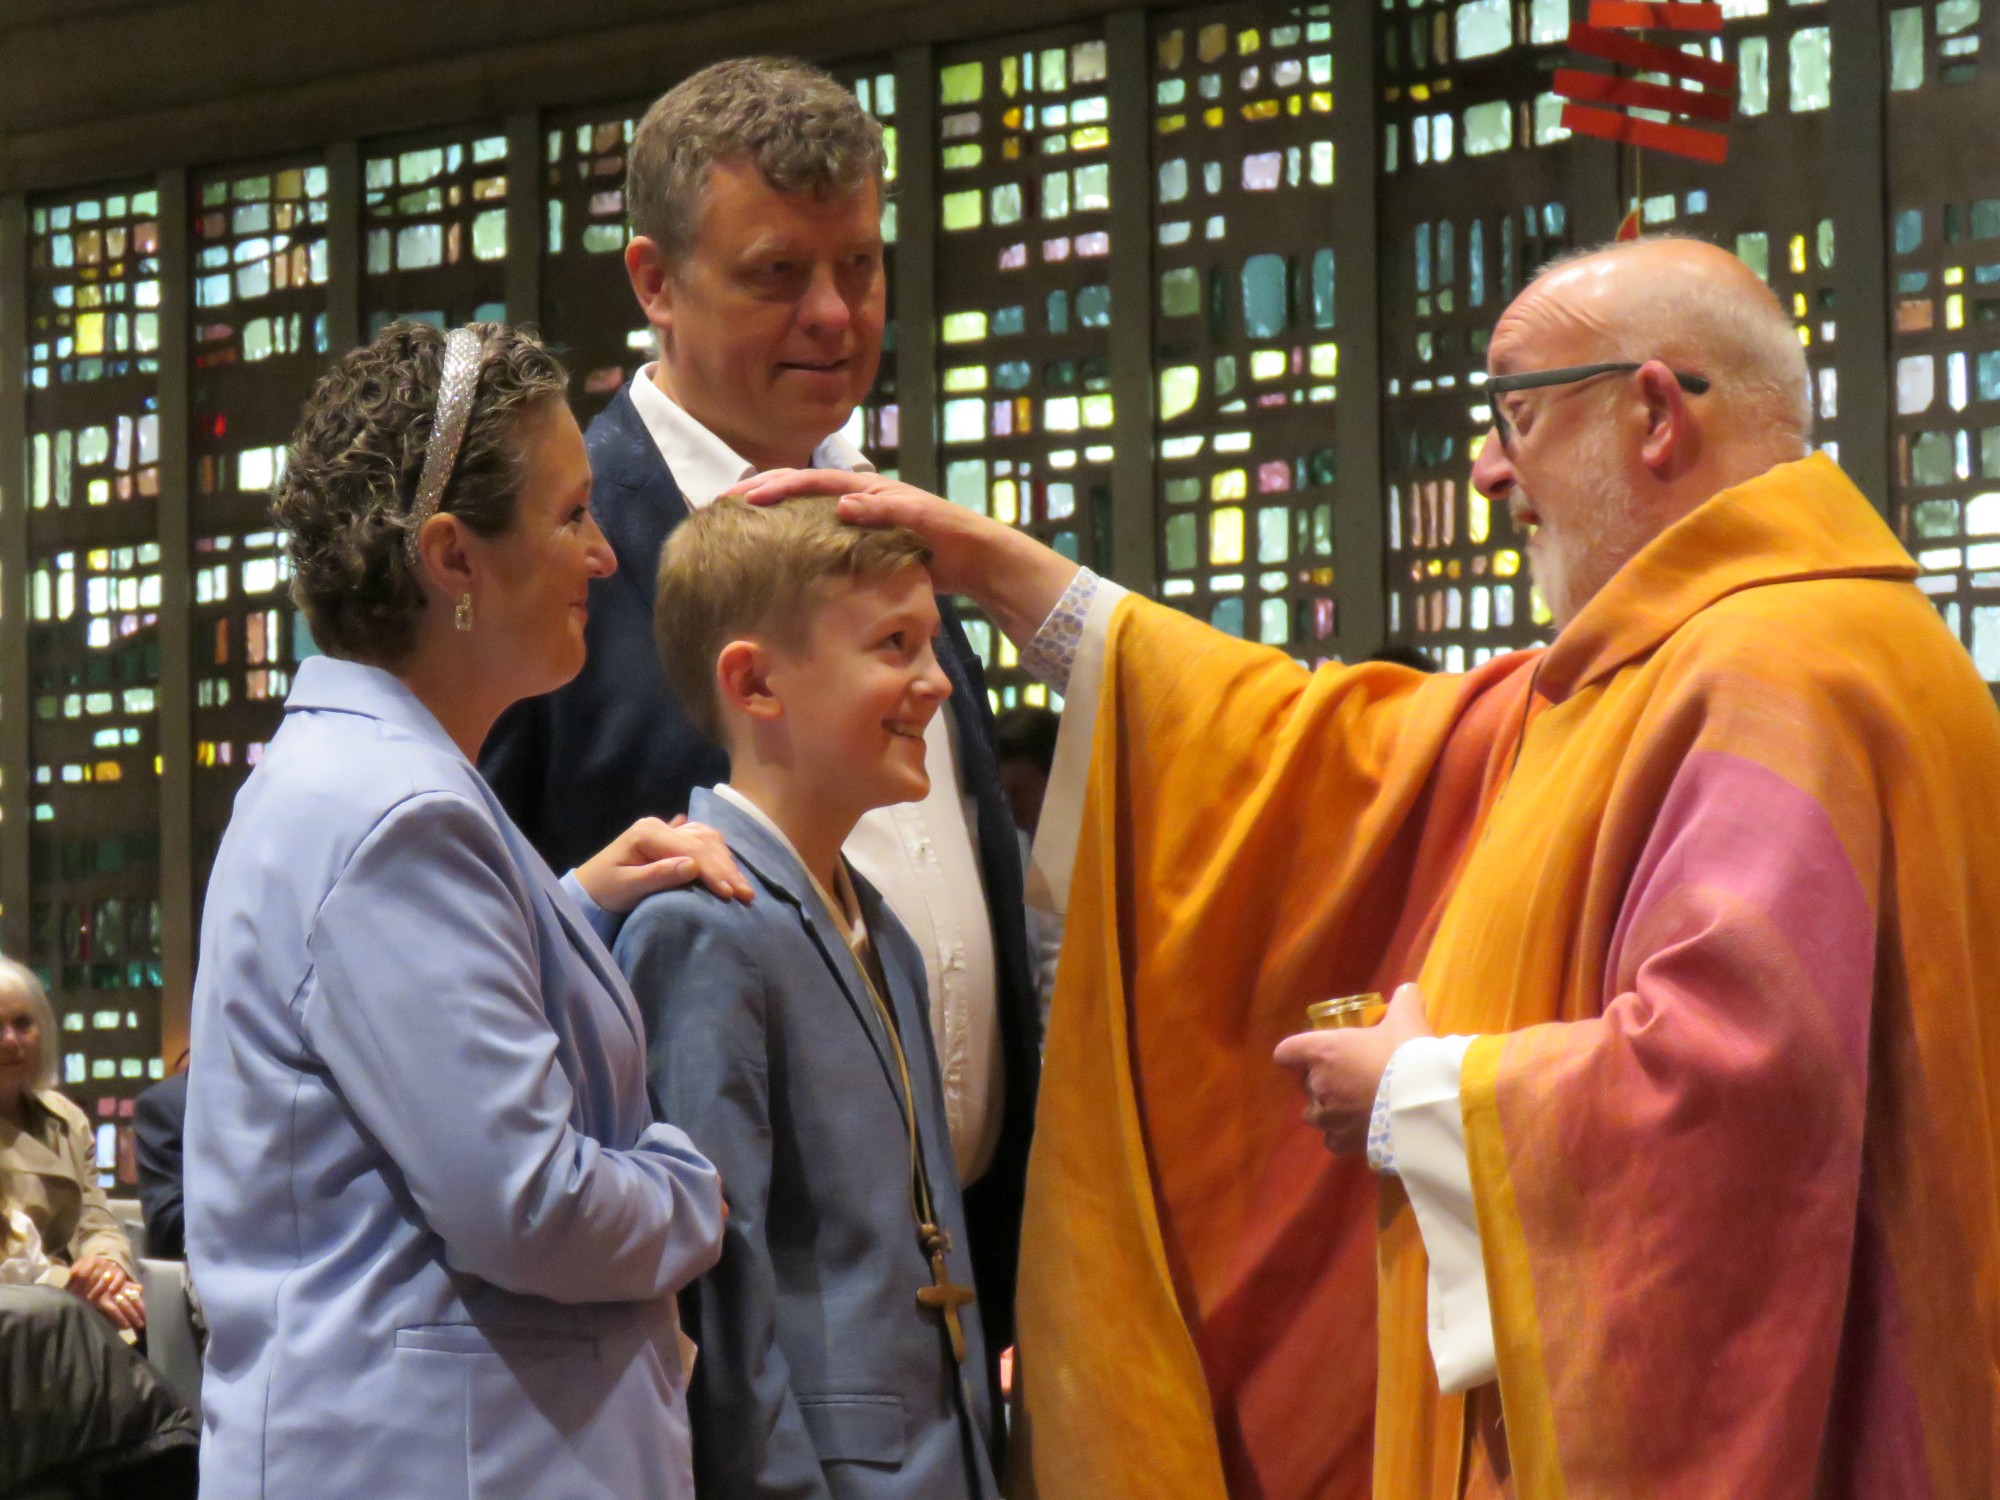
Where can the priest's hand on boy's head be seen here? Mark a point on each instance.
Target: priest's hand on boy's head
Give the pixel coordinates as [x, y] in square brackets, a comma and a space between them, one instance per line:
[1341, 1071]
[1009, 574]
[956, 536]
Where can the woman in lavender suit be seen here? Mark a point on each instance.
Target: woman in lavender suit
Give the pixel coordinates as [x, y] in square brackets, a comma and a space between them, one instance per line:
[436, 1230]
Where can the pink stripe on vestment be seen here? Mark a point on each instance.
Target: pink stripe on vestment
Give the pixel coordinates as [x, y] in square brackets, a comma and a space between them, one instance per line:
[1733, 825]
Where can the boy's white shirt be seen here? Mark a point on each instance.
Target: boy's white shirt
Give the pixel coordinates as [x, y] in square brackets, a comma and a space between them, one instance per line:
[922, 856]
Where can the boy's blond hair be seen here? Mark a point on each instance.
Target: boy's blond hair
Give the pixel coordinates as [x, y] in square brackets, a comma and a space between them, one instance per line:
[736, 570]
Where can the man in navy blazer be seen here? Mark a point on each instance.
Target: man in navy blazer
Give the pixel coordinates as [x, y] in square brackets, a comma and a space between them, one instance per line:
[755, 190]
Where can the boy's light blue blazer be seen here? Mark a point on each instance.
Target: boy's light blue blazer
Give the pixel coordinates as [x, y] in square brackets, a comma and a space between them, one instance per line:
[819, 1375]
[434, 1227]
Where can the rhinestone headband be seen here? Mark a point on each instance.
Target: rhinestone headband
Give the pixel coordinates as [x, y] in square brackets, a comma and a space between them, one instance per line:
[454, 410]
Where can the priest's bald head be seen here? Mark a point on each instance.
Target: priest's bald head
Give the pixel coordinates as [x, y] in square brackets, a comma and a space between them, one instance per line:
[1628, 385]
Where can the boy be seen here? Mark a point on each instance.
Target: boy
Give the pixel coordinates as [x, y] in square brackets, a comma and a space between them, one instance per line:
[841, 1349]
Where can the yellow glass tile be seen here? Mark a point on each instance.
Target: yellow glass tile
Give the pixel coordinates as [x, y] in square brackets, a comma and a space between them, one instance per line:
[1325, 360]
[1180, 388]
[1435, 567]
[1805, 336]
[1798, 255]
[1798, 304]
[1090, 138]
[963, 210]
[1506, 564]
[1452, 569]
[1230, 484]
[106, 770]
[1225, 536]
[1268, 364]
[1211, 42]
[958, 158]
[1010, 149]
[1173, 49]
[963, 328]
[1212, 117]
[1170, 123]
[1006, 505]
[90, 333]
[965, 378]
[964, 83]
[1954, 275]
[1539, 608]
[1322, 101]
[1954, 311]
[1263, 109]
[1012, 119]
[1248, 41]
[1420, 92]
[1097, 411]
[1008, 655]
[1478, 516]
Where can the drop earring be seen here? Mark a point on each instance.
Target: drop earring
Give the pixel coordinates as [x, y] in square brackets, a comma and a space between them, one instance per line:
[462, 616]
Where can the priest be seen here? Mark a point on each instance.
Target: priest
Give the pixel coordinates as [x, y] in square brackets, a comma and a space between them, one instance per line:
[1682, 1118]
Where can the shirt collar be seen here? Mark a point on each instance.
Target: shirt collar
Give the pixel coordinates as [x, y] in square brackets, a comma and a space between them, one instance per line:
[841, 902]
[701, 463]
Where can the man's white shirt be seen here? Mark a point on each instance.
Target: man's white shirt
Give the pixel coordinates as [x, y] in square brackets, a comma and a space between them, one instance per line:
[1422, 1087]
[922, 856]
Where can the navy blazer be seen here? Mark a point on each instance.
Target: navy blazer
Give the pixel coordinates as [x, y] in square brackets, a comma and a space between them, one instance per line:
[158, 1119]
[819, 1374]
[576, 768]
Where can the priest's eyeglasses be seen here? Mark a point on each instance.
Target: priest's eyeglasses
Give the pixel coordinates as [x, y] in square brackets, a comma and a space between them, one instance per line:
[1500, 385]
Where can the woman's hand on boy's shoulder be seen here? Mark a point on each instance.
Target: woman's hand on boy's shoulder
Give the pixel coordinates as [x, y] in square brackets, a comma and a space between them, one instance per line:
[655, 855]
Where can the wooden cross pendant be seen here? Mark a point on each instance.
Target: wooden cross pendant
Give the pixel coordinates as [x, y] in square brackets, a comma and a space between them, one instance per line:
[943, 1295]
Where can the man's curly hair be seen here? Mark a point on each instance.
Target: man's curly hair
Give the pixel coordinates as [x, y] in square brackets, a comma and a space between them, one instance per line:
[804, 132]
[352, 471]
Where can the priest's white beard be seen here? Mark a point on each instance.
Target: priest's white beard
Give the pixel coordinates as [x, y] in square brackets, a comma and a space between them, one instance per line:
[1597, 530]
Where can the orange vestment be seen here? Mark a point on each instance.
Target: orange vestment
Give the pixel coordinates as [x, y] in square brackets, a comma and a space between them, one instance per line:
[1739, 831]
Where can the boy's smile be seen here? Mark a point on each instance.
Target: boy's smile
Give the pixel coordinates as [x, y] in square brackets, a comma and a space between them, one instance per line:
[853, 707]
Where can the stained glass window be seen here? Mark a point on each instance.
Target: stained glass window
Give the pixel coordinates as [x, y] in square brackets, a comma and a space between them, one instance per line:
[1025, 406]
[260, 339]
[876, 426]
[1245, 346]
[588, 311]
[1476, 195]
[93, 598]
[1944, 375]
[435, 229]
[1780, 220]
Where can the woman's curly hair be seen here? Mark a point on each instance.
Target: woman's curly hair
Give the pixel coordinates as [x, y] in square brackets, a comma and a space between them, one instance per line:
[352, 471]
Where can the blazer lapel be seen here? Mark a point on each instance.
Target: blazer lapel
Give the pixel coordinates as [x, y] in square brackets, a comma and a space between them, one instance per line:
[582, 939]
[628, 459]
[754, 845]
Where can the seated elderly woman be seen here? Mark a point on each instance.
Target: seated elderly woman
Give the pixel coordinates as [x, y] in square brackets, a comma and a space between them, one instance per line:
[436, 1229]
[48, 1158]
[76, 1405]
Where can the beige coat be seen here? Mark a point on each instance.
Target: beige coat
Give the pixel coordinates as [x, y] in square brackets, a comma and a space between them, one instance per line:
[51, 1175]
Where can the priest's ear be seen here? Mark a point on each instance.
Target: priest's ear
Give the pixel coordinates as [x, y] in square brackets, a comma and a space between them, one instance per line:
[652, 278]
[1671, 443]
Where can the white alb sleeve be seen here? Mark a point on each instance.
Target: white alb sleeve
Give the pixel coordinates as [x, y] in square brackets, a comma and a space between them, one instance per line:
[1427, 1143]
